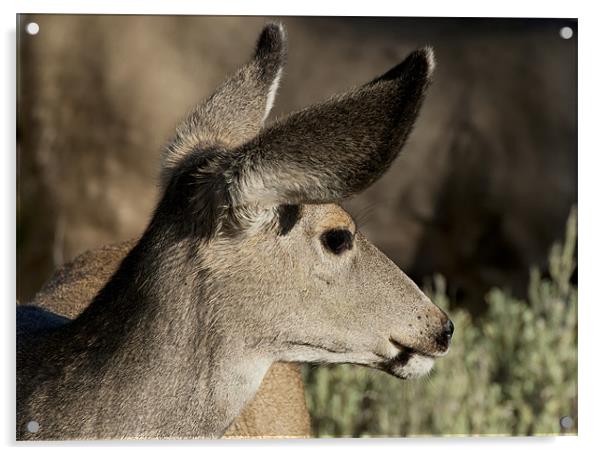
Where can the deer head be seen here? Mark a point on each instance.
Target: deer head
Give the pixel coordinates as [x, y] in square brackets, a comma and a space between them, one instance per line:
[286, 275]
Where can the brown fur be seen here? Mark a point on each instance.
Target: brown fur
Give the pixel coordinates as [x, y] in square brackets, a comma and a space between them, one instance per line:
[278, 409]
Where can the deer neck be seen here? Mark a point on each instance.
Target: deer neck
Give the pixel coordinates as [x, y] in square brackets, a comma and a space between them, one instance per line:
[152, 330]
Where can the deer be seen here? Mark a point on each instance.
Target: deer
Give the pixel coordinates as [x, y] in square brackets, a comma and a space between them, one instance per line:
[278, 410]
[248, 259]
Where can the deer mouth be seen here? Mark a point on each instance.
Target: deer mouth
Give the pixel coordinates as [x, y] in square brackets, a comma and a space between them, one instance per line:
[407, 351]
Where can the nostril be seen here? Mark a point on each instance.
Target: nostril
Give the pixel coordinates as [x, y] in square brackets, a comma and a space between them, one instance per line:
[445, 336]
[448, 328]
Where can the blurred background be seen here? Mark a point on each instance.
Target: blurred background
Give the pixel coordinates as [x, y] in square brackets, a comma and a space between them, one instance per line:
[470, 210]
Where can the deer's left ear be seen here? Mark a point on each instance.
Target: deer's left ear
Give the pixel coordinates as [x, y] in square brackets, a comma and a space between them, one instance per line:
[237, 110]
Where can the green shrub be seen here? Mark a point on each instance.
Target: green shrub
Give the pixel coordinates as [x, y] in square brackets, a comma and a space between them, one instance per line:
[512, 372]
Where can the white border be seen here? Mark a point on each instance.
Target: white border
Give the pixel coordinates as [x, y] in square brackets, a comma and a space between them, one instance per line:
[590, 227]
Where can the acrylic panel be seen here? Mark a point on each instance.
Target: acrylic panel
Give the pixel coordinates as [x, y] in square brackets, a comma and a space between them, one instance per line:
[253, 227]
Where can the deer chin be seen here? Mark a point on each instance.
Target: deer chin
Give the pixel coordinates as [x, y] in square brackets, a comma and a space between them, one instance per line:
[409, 364]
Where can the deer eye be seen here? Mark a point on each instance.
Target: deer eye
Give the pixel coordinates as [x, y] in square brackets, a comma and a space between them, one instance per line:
[337, 240]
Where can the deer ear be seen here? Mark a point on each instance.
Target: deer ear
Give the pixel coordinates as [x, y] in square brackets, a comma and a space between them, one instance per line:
[237, 110]
[333, 150]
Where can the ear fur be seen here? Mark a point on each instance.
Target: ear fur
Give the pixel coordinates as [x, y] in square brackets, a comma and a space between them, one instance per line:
[237, 110]
[330, 151]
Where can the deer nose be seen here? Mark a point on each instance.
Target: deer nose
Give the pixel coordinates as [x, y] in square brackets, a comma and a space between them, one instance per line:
[445, 336]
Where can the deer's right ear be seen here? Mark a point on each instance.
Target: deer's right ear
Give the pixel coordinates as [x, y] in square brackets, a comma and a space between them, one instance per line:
[237, 109]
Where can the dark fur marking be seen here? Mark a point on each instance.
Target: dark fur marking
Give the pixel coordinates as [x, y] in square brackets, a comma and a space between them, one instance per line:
[288, 215]
[196, 197]
[271, 50]
[415, 67]
[401, 359]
